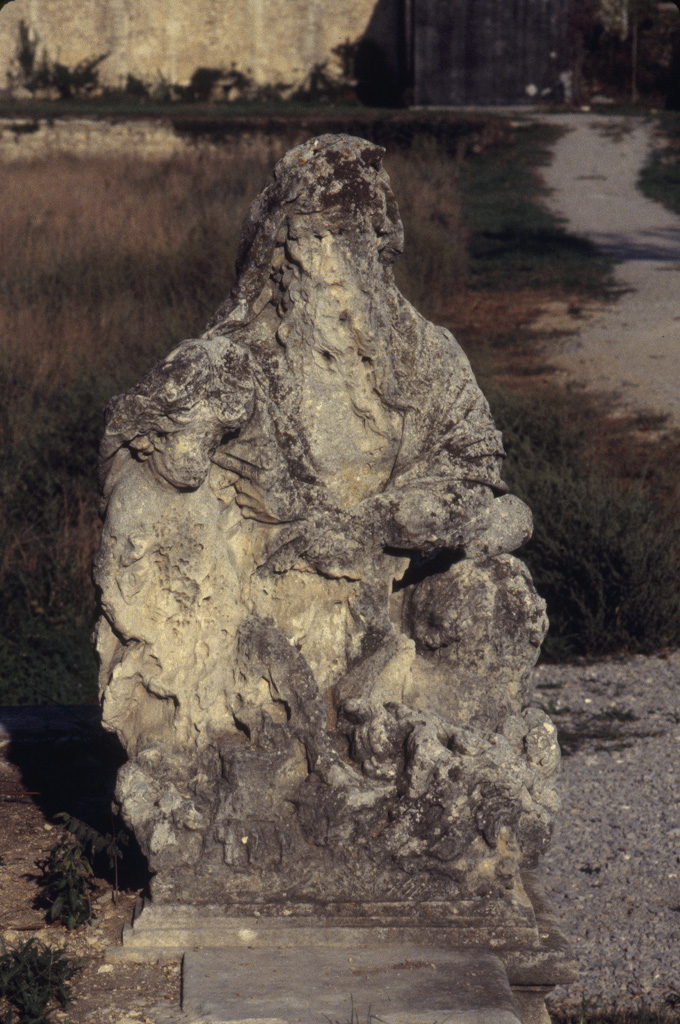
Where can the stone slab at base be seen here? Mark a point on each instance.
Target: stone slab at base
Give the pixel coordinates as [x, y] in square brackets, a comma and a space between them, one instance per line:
[303, 964]
[534, 956]
[395, 985]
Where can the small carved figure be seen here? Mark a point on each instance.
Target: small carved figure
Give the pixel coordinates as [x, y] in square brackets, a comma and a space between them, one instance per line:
[315, 642]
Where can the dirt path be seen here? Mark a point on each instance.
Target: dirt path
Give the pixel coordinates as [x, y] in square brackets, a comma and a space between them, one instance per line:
[630, 347]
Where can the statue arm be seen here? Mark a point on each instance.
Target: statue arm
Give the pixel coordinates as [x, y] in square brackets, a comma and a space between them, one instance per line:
[446, 489]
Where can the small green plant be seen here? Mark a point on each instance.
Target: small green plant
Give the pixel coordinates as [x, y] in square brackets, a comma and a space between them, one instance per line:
[354, 1017]
[109, 845]
[69, 870]
[67, 883]
[660, 177]
[34, 980]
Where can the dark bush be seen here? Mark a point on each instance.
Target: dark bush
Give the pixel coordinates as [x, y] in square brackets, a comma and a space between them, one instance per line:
[605, 552]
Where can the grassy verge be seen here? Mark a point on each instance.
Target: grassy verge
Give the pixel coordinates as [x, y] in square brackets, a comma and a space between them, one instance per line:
[605, 553]
[106, 264]
[660, 177]
[514, 241]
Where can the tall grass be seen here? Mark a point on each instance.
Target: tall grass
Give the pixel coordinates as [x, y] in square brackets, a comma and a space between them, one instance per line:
[605, 553]
[434, 263]
[105, 266]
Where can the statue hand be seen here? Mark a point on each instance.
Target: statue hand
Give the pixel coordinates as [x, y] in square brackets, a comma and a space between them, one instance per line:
[264, 489]
[337, 544]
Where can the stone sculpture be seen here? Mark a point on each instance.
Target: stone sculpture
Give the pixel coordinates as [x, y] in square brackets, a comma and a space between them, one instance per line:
[315, 641]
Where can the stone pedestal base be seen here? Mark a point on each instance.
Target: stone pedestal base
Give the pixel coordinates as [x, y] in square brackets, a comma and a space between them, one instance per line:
[468, 962]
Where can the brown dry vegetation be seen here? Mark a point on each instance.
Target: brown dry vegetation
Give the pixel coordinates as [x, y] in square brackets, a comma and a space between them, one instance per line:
[106, 264]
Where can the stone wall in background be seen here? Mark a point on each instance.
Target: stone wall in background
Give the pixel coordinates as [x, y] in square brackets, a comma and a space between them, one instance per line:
[166, 40]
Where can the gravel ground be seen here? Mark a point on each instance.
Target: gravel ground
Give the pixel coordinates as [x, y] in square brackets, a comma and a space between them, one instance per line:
[614, 867]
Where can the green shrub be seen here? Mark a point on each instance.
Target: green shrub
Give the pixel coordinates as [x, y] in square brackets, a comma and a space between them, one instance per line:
[67, 883]
[68, 871]
[606, 551]
[34, 980]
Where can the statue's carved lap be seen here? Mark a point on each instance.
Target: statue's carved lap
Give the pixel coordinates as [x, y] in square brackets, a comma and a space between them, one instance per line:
[315, 640]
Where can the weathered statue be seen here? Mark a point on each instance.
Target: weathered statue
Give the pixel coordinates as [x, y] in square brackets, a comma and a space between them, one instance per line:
[314, 641]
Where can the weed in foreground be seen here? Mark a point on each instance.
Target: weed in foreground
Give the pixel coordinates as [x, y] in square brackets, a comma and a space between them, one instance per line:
[67, 874]
[355, 1018]
[67, 883]
[93, 843]
[34, 981]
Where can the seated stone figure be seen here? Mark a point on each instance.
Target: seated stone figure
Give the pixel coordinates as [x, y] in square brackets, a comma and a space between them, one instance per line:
[315, 642]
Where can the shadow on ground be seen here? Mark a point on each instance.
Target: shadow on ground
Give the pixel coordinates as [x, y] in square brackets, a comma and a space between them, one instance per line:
[68, 764]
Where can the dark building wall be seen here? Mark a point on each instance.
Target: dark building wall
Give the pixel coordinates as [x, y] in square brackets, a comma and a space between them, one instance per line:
[489, 51]
[384, 58]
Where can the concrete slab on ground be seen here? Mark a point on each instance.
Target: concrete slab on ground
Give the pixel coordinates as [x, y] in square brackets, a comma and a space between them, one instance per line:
[393, 985]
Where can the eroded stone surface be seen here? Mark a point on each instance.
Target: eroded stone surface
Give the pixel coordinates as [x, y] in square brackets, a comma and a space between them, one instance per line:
[315, 642]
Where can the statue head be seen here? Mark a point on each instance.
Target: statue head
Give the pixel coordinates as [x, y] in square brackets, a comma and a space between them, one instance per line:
[336, 180]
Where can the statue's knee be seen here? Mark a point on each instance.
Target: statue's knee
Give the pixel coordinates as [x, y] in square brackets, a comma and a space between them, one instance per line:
[490, 601]
[502, 525]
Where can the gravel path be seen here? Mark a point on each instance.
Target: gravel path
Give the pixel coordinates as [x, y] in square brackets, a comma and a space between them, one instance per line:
[614, 866]
[630, 347]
